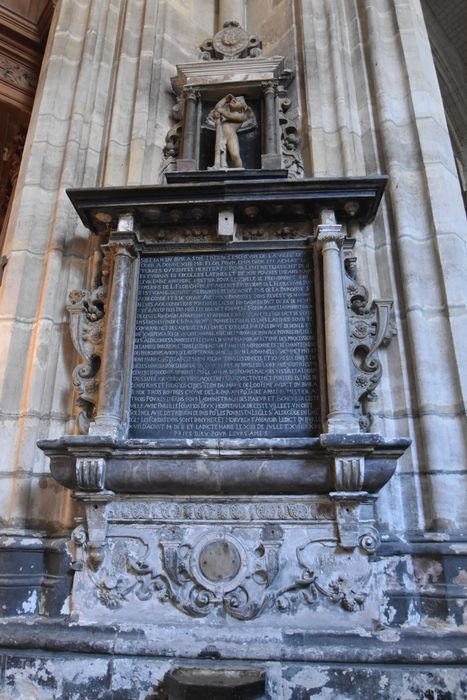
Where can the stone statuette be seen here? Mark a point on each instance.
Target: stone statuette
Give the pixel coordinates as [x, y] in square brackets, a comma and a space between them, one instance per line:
[230, 115]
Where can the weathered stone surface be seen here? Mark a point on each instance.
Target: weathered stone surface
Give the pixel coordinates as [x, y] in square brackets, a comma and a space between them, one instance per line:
[94, 677]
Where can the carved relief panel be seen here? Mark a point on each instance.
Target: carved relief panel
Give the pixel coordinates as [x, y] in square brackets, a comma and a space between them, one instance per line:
[243, 560]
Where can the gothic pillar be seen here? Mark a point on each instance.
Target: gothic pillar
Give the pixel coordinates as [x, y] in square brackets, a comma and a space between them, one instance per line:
[382, 111]
[429, 256]
[341, 418]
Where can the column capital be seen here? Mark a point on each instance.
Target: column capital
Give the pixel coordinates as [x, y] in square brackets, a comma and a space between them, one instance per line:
[269, 87]
[122, 246]
[329, 233]
[191, 93]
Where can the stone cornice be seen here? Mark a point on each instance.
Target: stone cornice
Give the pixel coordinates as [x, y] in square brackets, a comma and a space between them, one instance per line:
[240, 70]
[301, 200]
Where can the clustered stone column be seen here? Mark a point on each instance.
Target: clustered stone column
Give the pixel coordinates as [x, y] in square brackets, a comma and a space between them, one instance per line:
[341, 418]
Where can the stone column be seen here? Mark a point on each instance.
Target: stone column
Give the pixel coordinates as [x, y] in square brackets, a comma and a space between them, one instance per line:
[341, 418]
[111, 390]
[190, 119]
[231, 9]
[270, 158]
[374, 106]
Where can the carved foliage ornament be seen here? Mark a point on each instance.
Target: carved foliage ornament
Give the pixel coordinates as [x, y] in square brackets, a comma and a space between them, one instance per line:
[13, 154]
[17, 74]
[172, 139]
[325, 577]
[231, 42]
[290, 139]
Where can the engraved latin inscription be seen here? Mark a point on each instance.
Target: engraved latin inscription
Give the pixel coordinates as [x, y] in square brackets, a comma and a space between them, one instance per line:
[225, 346]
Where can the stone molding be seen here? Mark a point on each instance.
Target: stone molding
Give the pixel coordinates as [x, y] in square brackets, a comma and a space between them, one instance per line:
[207, 72]
[251, 510]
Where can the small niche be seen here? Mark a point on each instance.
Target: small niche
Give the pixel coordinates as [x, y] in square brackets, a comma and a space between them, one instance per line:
[215, 684]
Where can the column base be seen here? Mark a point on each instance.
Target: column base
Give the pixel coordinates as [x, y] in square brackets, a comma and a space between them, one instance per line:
[271, 161]
[342, 423]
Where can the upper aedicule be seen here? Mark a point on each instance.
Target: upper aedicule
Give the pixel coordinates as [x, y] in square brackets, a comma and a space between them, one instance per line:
[231, 110]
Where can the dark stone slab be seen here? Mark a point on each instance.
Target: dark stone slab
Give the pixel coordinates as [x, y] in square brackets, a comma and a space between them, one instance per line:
[225, 346]
[276, 199]
[34, 575]
[248, 466]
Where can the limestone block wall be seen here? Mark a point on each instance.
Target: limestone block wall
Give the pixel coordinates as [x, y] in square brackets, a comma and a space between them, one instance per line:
[367, 100]
[101, 114]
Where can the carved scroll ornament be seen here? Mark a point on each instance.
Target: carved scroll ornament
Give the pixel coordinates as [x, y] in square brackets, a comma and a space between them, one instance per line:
[290, 140]
[87, 309]
[186, 573]
[371, 327]
[173, 137]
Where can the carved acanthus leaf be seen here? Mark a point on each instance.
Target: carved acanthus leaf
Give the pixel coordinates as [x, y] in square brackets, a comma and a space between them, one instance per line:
[17, 74]
[341, 582]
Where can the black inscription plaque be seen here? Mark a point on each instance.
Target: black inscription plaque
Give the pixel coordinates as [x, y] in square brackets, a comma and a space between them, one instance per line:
[225, 346]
